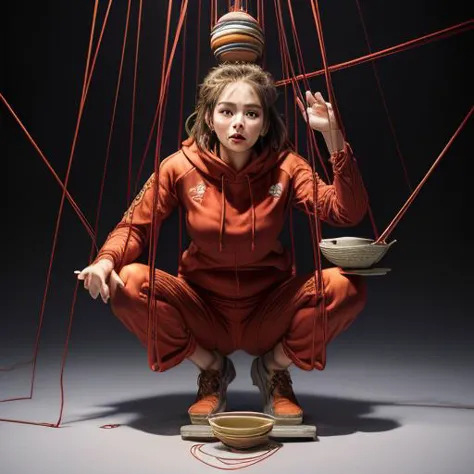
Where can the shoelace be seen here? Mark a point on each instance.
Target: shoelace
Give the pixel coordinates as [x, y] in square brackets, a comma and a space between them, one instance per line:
[209, 382]
[281, 384]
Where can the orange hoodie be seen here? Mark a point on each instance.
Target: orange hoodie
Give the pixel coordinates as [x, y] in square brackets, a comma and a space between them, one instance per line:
[234, 218]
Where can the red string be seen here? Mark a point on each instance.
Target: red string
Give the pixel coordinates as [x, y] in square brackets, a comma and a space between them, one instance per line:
[327, 75]
[180, 136]
[244, 462]
[134, 95]
[58, 220]
[315, 228]
[412, 197]
[159, 106]
[153, 355]
[330, 87]
[198, 46]
[261, 21]
[74, 205]
[445, 33]
[89, 52]
[111, 131]
[313, 146]
[97, 49]
[73, 303]
[90, 65]
[384, 102]
[181, 95]
[87, 77]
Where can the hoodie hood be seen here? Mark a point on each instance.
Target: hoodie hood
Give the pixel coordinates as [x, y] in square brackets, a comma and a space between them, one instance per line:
[215, 169]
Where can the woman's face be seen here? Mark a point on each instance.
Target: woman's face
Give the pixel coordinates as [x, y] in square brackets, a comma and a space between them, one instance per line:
[238, 117]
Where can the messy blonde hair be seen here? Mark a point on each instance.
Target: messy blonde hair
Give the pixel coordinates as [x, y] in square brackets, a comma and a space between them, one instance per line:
[211, 89]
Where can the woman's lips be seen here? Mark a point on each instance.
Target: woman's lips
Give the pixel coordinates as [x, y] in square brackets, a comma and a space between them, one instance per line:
[237, 139]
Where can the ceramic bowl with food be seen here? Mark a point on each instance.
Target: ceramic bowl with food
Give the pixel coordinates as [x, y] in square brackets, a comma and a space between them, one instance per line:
[353, 252]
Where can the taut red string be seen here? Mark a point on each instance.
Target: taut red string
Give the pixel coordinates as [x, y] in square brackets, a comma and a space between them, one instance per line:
[412, 197]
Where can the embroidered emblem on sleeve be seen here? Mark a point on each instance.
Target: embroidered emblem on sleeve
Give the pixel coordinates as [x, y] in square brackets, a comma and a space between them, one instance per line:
[197, 192]
[139, 197]
[275, 190]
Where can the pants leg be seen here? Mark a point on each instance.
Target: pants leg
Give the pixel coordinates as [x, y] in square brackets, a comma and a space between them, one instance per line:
[292, 314]
[183, 319]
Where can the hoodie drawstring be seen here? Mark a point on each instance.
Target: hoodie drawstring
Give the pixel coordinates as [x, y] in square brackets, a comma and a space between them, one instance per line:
[221, 232]
[252, 207]
[252, 211]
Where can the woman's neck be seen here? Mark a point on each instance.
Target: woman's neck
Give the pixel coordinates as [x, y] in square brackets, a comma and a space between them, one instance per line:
[233, 159]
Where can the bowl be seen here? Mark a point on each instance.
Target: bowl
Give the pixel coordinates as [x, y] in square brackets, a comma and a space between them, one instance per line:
[353, 252]
[242, 442]
[242, 429]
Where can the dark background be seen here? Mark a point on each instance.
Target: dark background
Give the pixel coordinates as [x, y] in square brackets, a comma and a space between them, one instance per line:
[423, 301]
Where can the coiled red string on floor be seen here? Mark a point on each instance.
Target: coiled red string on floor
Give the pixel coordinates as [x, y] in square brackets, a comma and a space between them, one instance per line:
[233, 464]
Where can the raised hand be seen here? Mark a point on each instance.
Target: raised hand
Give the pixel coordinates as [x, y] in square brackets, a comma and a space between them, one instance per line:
[318, 113]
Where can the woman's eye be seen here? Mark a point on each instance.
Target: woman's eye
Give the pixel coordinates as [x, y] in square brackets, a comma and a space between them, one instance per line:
[252, 114]
[226, 112]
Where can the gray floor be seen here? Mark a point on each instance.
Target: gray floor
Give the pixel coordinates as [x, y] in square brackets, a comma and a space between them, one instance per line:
[377, 409]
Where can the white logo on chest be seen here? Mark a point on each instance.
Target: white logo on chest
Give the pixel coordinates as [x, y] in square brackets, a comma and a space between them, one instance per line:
[275, 190]
[197, 192]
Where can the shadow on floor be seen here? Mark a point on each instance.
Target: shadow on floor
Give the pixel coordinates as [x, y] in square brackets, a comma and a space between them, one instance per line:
[165, 414]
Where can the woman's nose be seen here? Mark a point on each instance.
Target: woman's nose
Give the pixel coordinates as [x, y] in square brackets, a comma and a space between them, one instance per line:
[238, 121]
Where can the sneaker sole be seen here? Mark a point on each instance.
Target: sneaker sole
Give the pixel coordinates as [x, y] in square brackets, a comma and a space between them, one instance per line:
[203, 419]
[288, 420]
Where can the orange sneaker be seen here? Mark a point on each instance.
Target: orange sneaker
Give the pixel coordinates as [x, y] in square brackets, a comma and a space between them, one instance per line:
[279, 399]
[212, 393]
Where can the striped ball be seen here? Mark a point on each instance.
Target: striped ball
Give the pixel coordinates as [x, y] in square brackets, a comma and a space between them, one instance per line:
[237, 36]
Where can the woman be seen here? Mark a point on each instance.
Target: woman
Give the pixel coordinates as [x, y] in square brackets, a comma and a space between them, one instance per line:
[236, 178]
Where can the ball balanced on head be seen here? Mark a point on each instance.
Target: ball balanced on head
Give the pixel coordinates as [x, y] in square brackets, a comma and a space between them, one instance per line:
[237, 36]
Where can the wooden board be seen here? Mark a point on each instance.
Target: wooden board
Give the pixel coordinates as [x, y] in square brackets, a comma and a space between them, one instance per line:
[204, 432]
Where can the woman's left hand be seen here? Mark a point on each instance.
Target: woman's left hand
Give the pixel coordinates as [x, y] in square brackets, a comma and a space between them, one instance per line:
[318, 112]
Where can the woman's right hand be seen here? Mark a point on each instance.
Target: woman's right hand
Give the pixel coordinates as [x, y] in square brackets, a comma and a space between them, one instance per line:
[100, 278]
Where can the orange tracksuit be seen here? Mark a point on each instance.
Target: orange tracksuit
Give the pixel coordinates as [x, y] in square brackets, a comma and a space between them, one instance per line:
[235, 288]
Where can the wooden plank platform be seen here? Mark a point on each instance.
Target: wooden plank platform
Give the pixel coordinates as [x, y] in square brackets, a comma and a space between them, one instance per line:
[204, 432]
